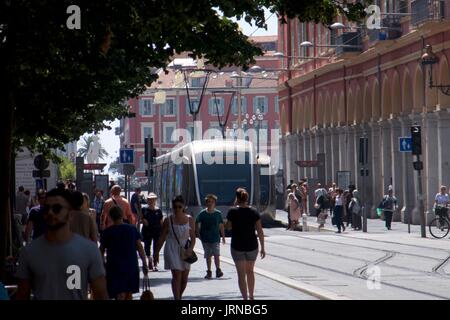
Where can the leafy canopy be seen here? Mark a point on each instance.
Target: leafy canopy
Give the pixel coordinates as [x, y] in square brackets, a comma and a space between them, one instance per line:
[62, 83]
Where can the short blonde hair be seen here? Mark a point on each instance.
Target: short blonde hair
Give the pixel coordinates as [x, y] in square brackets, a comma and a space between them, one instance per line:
[211, 196]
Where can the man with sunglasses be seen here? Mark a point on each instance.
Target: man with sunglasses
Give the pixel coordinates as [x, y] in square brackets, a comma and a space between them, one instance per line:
[60, 264]
[36, 226]
[210, 226]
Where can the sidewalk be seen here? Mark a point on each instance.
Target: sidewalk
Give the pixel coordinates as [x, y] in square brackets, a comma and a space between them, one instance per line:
[225, 288]
[374, 226]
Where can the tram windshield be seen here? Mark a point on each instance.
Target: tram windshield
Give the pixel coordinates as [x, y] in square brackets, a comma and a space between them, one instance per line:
[223, 180]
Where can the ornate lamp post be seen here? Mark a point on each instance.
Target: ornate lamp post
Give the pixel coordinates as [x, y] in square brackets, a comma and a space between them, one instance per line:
[429, 59]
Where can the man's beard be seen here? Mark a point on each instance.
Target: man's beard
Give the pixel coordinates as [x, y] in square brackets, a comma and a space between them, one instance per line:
[57, 226]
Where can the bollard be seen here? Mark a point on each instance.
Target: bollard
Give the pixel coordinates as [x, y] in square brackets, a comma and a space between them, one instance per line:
[304, 222]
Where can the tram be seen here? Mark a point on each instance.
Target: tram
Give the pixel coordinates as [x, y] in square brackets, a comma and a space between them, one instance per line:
[198, 168]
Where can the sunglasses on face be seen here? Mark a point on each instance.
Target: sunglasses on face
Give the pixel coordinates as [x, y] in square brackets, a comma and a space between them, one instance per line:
[56, 208]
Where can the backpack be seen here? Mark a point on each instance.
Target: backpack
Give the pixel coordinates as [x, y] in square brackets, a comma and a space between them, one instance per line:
[383, 202]
[324, 201]
[354, 207]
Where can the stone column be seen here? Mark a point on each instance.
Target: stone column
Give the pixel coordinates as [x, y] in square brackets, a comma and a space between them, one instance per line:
[334, 142]
[299, 155]
[356, 134]
[431, 162]
[407, 188]
[375, 165]
[443, 147]
[386, 155]
[307, 152]
[343, 150]
[328, 156]
[287, 157]
[396, 165]
[352, 152]
[302, 171]
[293, 156]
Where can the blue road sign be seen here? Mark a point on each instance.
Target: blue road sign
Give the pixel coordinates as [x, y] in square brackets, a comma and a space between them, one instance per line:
[126, 156]
[405, 144]
[39, 184]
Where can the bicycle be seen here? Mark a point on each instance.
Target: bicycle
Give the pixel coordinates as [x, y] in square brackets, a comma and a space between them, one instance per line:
[440, 226]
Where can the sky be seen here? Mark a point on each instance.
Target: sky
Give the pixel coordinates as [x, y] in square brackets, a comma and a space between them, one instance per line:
[111, 142]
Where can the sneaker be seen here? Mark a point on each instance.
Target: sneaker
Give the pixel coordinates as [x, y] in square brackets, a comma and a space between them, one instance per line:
[219, 273]
[208, 274]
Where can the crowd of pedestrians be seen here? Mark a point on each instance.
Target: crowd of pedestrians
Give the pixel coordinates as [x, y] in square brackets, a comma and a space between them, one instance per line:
[343, 205]
[77, 249]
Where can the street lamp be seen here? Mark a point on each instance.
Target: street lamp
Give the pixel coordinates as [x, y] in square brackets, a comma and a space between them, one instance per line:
[281, 55]
[429, 59]
[309, 44]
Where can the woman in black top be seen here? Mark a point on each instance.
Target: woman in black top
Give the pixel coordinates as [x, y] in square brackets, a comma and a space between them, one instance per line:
[152, 219]
[243, 221]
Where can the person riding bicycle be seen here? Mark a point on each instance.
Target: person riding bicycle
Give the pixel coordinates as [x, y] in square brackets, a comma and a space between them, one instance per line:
[441, 201]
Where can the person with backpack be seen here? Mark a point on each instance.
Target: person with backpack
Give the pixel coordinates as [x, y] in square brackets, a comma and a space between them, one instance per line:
[388, 206]
[355, 209]
[322, 204]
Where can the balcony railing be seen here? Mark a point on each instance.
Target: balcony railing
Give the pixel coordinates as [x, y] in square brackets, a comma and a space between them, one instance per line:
[426, 10]
[348, 39]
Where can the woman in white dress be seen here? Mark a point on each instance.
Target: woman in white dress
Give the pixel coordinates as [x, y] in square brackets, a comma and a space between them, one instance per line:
[177, 229]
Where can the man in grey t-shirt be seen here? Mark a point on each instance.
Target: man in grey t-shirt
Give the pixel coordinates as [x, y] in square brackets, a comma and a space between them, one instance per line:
[60, 264]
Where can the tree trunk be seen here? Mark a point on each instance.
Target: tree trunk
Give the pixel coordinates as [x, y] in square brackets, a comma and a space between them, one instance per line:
[6, 129]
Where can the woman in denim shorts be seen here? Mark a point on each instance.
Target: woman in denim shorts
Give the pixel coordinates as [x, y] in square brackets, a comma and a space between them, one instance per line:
[243, 222]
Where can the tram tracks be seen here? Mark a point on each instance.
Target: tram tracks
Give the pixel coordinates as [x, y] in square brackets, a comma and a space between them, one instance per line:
[361, 272]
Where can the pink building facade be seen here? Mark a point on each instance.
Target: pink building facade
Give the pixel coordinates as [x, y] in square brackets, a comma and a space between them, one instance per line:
[161, 120]
[378, 90]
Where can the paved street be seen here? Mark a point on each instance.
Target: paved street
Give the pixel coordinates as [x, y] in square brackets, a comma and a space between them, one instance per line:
[225, 288]
[311, 265]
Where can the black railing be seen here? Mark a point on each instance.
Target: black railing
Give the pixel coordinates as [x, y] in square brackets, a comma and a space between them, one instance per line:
[426, 10]
[347, 39]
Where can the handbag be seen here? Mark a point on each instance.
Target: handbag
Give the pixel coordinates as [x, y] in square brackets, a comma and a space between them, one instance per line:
[189, 259]
[146, 293]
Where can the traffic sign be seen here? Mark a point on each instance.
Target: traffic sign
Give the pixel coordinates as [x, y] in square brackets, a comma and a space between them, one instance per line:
[41, 173]
[94, 166]
[39, 184]
[126, 156]
[309, 163]
[128, 169]
[40, 162]
[405, 144]
[416, 140]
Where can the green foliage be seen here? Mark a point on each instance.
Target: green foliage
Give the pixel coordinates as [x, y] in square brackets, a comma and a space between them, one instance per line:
[86, 143]
[66, 169]
[63, 83]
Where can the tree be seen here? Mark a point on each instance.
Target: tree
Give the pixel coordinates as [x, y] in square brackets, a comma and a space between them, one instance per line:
[66, 169]
[115, 167]
[86, 143]
[58, 83]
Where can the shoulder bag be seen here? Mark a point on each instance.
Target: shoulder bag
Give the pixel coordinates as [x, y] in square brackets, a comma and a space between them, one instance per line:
[189, 259]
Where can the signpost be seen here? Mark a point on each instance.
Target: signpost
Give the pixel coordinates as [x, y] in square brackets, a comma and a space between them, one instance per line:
[416, 149]
[41, 164]
[94, 166]
[363, 161]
